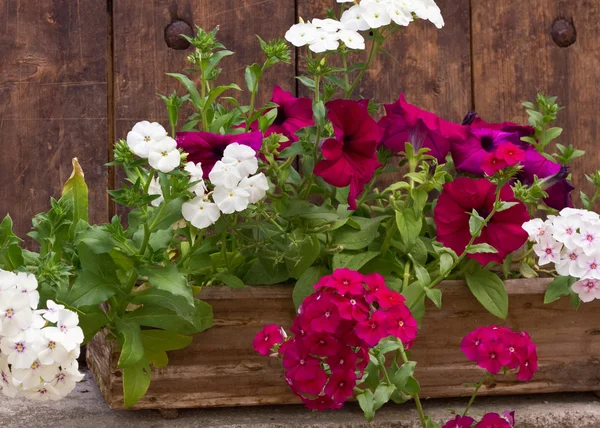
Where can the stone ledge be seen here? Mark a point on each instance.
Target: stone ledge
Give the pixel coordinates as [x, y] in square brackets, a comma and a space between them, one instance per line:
[85, 408]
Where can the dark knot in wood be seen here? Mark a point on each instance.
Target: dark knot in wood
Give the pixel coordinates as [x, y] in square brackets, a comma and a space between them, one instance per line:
[563, 33]
[173, 33]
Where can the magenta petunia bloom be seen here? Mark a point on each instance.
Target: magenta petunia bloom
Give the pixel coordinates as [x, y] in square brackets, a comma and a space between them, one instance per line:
[471, 343]
[493, 356]
[322, 402]
[208, 148]
[268, 337]
[503, 232]
[346, 360]
[293, 114]
[475, 122]
[341, 385]
[559, 188]
[470, 153]
[493, 420]
[517, 347]
[310, 378]
[528, 364]
[401, 324]
[324, 316]
[346, 281]
[460, 422]
[350, 159]
[405, 122]
[322, 344]
[353, 308]
[373, 329]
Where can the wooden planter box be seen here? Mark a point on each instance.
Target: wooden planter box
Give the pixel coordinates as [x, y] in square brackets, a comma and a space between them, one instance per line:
[221, 368]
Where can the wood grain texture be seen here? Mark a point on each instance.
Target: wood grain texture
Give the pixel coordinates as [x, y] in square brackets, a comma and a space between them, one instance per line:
[514, 57]
[432, 67]
[220, 368]
[53, 104]
[142, 56]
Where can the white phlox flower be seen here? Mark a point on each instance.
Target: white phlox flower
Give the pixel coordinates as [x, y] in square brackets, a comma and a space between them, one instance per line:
[230, 200]
[201, 212]
[164, 155]
[155, 189]
[256, 186]
[301, 34]
[243, 157]
[225, 174]
[143, 135]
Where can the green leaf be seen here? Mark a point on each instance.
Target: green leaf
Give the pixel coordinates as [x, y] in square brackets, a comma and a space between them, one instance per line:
[401, 376]
[252, 75]
[169, 215]
[305, 284]
[97, 281]
[303, 255]
[259, 274]
[130, 343]
[309, 83]
[320, 113]
[157, 358]
[353, 261]
[421, 273]
[504, 205]
[168, 278]
[412, 386]
[446, 262]
[475, 223]
[489, 289]
[230, 280]
[160, 340]
[382, 395]
[409, 226]
[215, 59]
[191, 88]
[91, 320]
[430, 423]
[481, 248]
[215, 92]
[136, 380]
[351, 239]
[365, 400]
[559, 287]
[435, 295]
[76, 191]
[97, 239]
[552, 134]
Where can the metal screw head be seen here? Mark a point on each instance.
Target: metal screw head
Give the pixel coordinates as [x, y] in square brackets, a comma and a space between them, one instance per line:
[173, 33]
[563, 33]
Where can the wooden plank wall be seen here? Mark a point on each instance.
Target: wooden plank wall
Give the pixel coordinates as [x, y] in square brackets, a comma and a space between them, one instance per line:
[74, 76]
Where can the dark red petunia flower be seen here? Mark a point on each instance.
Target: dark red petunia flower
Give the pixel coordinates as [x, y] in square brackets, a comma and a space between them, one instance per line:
[268, 337]
[475, 122]
[401, 324]
[293, 114]
[310, 378]
[503, 232]
[493, 420]
[405, 122]
[322, 402]
[324, 315]
[460, 422]
[350, 159]
[528, 364]
[208, 148]
[346, 281]
[493, 356]
[471, 343]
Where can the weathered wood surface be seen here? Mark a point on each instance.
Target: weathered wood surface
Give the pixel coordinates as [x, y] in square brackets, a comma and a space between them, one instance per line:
[53, 104]
[521, 48]
[221, 369]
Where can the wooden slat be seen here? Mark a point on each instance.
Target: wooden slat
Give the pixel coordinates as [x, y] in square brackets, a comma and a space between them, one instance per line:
[432, 67]
[220, 368]
[142, 56]
[514, 57]
[53, 104]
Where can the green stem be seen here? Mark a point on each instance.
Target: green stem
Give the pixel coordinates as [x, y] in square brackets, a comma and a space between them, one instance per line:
[477, 388]
[224, 249]
[369, 188]
[271, 220]
[149, 180]
[381, 360]
[406, 275]
[346, 77]
[415, 396]
[204, 106]
[375, 46]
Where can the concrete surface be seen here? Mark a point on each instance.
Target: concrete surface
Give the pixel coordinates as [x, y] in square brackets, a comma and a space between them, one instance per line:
[86, 408]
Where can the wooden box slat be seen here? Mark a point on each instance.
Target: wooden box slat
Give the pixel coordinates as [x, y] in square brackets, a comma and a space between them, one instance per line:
[220, 368]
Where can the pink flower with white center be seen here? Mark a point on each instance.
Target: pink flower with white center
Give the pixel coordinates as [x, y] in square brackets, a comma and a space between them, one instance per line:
[537, 229]
[564, 229]
[590, 266]
[569, 263]
[15, 312]
[66, 378]
[43, 393]
[548, 251]
[49, 351]
[587, 289]
[589, 238]
[67, 331]
[30, 377]
[19, 350]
